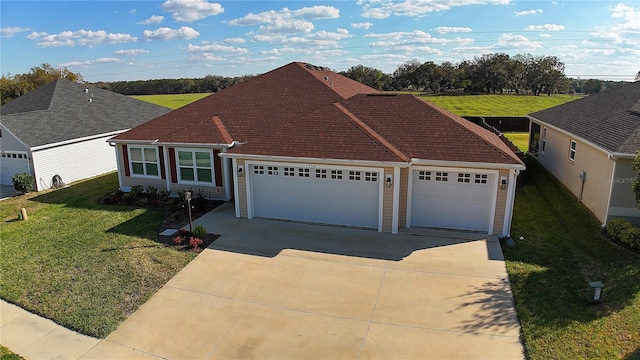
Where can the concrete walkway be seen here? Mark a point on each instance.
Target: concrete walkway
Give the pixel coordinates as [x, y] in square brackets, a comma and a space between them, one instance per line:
[271, 289]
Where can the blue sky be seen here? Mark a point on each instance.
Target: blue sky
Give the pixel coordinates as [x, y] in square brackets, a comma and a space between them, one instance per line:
[131, 40]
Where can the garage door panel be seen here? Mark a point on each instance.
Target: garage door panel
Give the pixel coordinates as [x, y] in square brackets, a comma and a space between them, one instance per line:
[459, 200]
[11, 164]
[320, 195]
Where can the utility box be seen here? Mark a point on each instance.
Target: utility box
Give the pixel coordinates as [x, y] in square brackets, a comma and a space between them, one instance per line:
[594, 292]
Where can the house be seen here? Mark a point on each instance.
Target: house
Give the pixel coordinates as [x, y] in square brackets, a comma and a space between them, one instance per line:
[588, 144]
[62, 129]
[304, 143]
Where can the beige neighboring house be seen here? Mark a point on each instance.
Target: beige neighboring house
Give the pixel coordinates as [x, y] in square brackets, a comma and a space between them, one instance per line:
[589, 144]
[304, 143]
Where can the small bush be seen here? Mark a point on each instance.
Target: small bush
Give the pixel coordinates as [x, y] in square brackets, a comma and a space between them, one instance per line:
[24, 182]
[178, 240]
[631, 237]
[617, 227]
[195, 242]
[199, 201]
[199, 231]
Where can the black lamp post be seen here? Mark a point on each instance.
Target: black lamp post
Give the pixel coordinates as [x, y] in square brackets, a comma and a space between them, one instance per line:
[187, 196]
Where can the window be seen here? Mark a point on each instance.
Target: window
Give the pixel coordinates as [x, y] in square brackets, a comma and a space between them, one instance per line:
[272, 170]
[370, 176]
[289, 171]
[303, 172]
[322, 174]
[481, 178]
[259, 170]
[424, 175]
[144, 161]
[336, 174]
[572, 151]
[544, 140]
[195, 166]
[464, 177]
[354, 175]
[442, 176]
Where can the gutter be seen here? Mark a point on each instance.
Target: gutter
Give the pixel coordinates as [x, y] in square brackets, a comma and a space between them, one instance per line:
[444, 163]
[315, 160]
[77, 140]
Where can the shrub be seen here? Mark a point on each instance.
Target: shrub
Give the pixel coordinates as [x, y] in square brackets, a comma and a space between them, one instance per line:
[617, 227]
[178, 239]
[195, 242]
[24, 182]
[199, 201]
[631, 237]
[199, 231]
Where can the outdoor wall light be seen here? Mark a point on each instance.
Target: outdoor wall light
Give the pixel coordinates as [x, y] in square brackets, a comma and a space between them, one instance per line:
[388, 180]
[503, 182]
[240, 170]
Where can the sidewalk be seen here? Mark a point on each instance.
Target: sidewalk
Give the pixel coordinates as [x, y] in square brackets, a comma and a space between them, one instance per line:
[34, 337]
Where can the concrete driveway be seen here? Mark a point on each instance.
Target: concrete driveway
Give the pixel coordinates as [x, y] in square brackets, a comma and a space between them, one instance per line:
[278, 290]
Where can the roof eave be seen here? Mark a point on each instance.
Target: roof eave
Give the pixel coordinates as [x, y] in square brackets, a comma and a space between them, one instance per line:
[471, 164]
[314, 160]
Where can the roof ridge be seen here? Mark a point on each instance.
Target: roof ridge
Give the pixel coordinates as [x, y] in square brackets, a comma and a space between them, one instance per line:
[304, 67]
[462, 122]
[222, 129]
[372, 133]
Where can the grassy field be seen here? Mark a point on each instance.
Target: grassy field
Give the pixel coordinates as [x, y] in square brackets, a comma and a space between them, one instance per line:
[521, 140]
[173, 101]
[496, 105]
[562, 250]
[471, 105]
[84, 265]
[6, 354]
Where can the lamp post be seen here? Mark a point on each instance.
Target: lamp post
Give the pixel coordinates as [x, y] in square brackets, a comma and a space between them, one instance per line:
[187, 196]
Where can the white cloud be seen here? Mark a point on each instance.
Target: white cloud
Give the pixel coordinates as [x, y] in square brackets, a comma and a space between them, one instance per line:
[416, 37]
[91, 62]
[132, 11]
[215, 47]
[527, 12]
[511, 41]
[8, 32]
[165, 33]
[545, 27]
[545, 35]
[235, 40]
[154, 19]
[287, 21]
[454, 29]
[80, 37]
[381, 9]
[191, 10]
[630, 15]
[363, 25]
[132, 52]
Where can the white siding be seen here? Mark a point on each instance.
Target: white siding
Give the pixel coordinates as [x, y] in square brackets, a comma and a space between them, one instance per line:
[8, 142]
[73, 161]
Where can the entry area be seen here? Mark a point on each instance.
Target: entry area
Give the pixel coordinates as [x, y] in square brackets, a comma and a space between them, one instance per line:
[318, 194]
[453, 198]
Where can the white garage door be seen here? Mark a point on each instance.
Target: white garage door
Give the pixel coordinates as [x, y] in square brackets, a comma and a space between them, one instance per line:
[11, 164]
[452, 199]
[324, 195]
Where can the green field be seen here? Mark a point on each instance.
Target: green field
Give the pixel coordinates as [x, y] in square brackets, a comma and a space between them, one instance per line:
[463, 105]
[496, 105]
[172, 101]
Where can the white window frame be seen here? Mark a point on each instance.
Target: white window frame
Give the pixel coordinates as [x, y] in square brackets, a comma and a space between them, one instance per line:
[144, 162]
[543, 145]
[199, 183]
[573, 146]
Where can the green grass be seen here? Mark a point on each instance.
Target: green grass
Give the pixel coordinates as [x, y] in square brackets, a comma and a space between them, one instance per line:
[521, 140]
[84, 265]
[563, 249]
[6, 354]
[172, 101]
[495, 105]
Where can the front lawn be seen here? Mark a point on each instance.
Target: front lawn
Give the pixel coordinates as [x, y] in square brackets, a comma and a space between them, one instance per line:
[562, 250]
[84, 265]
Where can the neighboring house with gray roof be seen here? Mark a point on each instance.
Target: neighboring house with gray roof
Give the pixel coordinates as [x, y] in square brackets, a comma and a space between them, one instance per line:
[588, 144]
[62, 129]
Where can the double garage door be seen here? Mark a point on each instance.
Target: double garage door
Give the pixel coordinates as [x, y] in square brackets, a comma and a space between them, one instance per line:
[449, 199]
[338, 195]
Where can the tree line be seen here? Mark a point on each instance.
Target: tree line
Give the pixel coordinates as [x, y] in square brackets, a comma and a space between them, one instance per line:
[489, 73]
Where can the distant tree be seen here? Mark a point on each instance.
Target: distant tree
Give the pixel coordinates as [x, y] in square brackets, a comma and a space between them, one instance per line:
[592, 86]
[369, 76]
[405, 75]
[13, 86]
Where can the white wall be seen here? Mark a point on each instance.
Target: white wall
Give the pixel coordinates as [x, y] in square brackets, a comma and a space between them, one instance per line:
[74, 161]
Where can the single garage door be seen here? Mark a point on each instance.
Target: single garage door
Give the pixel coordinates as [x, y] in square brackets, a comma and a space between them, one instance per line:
[340, 196]
[452, 199]
[11, 164]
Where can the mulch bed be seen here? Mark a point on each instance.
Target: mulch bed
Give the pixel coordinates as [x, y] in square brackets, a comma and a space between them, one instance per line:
[171, 222]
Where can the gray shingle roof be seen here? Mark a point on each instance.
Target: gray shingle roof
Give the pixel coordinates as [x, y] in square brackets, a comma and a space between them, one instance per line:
[610, 119]
[61, 111]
